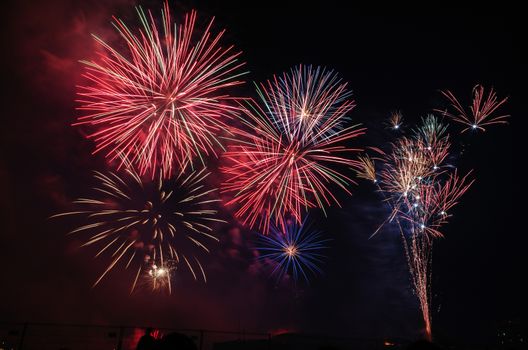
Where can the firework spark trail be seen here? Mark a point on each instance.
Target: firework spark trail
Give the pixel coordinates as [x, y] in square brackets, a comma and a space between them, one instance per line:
[420, 192]
[481, 109]
[156, 277]
[396, 120]
[164, 223]
[293, 249]
[367, 168]
[418, 250]
[163, 101]
[285, 162]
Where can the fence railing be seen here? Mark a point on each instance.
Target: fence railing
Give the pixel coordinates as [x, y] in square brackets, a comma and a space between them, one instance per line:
[49, 336]
[44, 336]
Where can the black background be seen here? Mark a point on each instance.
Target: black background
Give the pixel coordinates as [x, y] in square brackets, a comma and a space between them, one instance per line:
[392, 61]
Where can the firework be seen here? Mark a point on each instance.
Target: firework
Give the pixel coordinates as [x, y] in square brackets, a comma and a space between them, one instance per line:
[157, 277]
[367, 169]
[395, 120]
[420, 191]
[162, 100]
[293, 249]
[431, 200]
[293, 148]
[431, 133]
[481, 112]
[151, 227]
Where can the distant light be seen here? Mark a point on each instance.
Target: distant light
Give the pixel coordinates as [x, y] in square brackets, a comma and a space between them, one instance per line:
[443, 213]
[417, 197]
[396, 126]
[429, 148]
[415, 205]
[422, 226]
[435, 167]
[474, 126]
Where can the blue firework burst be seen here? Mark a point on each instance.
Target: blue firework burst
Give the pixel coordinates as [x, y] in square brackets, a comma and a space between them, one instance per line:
[294, 250]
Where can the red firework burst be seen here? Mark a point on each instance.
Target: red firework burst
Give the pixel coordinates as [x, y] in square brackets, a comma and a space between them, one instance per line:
[160, 102]
[285, 162]
[481, 109]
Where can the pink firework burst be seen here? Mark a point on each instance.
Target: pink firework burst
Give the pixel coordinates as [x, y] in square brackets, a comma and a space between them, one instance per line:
[283, 161]
[161, 101]
[481, 112]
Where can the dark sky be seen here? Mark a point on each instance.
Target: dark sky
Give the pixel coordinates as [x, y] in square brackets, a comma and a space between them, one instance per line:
[392, 62]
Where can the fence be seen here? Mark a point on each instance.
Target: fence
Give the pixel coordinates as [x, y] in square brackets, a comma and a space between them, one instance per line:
[40, 336]
[47, 336]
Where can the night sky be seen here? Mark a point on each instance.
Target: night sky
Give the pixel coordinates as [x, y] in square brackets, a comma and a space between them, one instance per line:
[392, 62]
